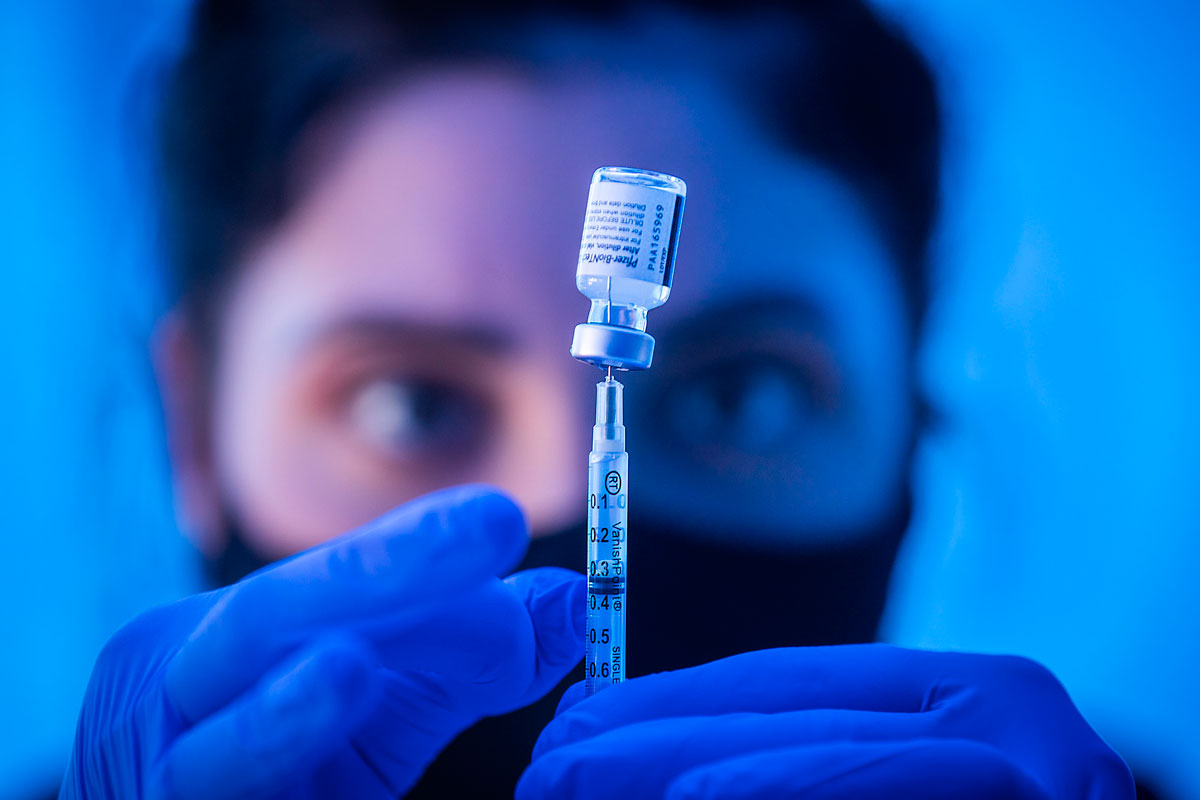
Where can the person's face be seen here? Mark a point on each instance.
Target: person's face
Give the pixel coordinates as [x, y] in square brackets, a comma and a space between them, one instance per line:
[407, 327]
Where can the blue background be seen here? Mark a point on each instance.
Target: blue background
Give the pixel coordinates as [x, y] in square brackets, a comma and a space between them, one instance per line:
[1057, 502]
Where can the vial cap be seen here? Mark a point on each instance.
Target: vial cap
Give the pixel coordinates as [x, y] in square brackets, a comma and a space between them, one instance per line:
[612, 346]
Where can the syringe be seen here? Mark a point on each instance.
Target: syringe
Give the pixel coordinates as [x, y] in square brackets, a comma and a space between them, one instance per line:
[608, 472]
[626, 264]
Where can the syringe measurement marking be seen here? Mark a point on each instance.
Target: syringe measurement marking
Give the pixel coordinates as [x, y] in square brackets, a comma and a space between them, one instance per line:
[605, 638]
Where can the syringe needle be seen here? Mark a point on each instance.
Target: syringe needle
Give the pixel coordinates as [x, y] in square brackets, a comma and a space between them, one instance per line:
[609, 378]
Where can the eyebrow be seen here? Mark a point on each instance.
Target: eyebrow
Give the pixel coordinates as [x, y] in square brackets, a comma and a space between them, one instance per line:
[483, 338]
[744, 312]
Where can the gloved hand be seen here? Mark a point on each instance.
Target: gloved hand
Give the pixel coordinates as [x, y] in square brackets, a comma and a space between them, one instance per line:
[340, 672]
[863, 721]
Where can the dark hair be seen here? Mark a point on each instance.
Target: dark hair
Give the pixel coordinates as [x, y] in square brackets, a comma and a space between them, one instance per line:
[256, 73]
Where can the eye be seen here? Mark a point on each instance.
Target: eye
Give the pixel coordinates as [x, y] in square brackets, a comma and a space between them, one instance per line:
[755, 406]
[405, 418]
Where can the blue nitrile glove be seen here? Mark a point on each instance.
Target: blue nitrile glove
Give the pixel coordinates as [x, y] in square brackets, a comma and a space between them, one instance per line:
[340, 672]
[861, 721]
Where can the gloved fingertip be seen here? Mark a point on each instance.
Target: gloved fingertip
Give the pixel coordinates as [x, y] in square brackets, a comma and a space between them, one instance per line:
[493, 517]
[284, 726]
[691, 785]
[555, 599]
[564, 729]
[576, 602]
[575, 693]
[350, 665]
[331, 684]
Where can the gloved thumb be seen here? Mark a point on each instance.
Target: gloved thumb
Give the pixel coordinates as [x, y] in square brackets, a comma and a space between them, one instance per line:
[556, 600]
[284, 726]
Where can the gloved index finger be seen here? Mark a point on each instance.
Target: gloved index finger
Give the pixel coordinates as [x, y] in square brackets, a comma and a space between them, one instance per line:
[435, 547]
[850, 677]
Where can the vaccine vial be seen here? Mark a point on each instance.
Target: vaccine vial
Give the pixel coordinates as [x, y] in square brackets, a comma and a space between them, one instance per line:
[626, 263]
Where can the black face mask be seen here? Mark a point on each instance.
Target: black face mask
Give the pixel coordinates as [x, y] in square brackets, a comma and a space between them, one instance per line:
[691, 600]
[236, 560]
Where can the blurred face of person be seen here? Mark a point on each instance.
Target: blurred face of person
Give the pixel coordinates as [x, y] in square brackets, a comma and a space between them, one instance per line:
[407, 326]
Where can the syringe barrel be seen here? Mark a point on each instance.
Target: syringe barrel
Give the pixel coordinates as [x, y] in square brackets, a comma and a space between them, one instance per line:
[607, 565]
[607, 570]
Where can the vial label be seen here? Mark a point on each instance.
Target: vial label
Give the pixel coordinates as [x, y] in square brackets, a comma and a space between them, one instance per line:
[630, 231]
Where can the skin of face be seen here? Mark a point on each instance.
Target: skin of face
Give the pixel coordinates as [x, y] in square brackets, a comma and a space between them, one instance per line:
[407, 326]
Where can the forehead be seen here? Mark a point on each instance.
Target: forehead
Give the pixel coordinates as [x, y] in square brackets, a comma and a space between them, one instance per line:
[458, 194]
